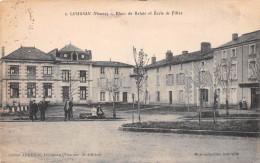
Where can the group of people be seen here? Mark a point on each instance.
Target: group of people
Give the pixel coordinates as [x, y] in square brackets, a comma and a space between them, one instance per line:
[97, 112]
[42, 106]
[243, 104]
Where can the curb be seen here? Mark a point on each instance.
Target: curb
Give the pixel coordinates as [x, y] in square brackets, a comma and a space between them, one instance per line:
[75, 120]
[198, 132]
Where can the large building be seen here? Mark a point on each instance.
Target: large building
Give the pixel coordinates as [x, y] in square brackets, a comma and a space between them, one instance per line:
[30, 74]
[187, 78]
[167, 78]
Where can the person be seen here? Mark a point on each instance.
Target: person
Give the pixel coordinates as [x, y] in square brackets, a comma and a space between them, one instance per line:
[71, 107]
[31, 110]
[34, 108]
[240, 104]
[100, 113]
[94, 112]
[67, 109]
[244, 105]
[42, 107]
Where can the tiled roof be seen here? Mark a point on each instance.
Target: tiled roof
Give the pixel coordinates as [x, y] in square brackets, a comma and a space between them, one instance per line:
[29, 53]
[110, 64]
[244, 38]
[70, 47]
[183, 58]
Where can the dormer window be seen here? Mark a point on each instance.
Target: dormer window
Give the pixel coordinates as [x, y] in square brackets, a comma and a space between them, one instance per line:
[233, 53]
[65, 55]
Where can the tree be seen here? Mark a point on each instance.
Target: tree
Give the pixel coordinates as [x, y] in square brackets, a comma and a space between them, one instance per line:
[141, 61]
[225, 75]
[114, 82]
[188, 89]
[200, 79]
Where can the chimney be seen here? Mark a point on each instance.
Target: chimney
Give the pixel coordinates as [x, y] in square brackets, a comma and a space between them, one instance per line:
[3, 51]
[234, 36]
[153, 59]
[205, 47]
[185, 52]
[169, 55]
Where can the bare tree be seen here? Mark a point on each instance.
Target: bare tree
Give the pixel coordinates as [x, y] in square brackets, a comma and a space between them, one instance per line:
[200, 80]
[141, 61]
[225, 75]
[188, 89]
[114, 82]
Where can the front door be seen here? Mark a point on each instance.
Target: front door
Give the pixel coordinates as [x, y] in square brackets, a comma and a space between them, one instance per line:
[205, 98]
[65, 92]
[170, 97]
[254, 98]
[124, 96]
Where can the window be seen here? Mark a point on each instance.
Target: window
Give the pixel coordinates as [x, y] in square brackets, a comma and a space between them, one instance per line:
[31, 71]
[181, 96]
[83, 76]
[31, 90]
[116, 81]
[252, 69]
[116, 70]
[170, 68]
[224, 72]
[169, 79]
[181, 67]
[83, 93]
[102, 96]
[224, 54]
[14, 90]
[116, 96]
[65, 75]
[233, 71]
[157, 80]
[157, 70]
[65, 55]
[203, 64]
[102, 82]
[14, 70]
[158, 96]
[251, 49]
[180, 79]
[47, 90]
[102, 70]
[204, 94]
[47, 70]
[233, 53]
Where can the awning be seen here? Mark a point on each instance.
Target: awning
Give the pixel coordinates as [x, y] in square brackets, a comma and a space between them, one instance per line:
[248, 85]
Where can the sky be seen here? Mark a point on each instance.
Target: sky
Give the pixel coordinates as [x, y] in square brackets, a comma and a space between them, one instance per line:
[49, 24]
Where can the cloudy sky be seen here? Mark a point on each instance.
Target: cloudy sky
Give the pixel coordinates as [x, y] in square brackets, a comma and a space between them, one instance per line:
[53, 24]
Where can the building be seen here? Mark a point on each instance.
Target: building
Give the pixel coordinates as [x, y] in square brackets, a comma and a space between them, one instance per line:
[244, 52]
[166, 78]
[31, 74]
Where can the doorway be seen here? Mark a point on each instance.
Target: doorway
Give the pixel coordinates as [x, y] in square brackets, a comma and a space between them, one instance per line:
[170, 97]
[124, 96]
[254, 98]
[65, 93]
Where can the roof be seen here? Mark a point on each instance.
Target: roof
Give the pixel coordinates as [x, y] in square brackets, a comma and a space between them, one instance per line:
[182, 58]
[110, 64]
[29, 53]
[70, 47]
[242, 39]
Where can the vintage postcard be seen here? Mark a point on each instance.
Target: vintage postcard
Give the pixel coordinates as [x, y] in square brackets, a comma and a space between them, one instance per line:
[129, 81]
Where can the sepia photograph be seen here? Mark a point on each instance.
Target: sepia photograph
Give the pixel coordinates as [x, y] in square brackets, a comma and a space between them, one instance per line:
[134, 81]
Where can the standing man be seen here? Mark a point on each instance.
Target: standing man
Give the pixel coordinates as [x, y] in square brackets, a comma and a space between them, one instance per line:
[31, 110]
[71, 107]
[34, 108]
[42, 106]
[67, 109]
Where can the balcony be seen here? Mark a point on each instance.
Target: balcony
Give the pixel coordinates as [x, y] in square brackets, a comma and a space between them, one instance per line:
[14, 76]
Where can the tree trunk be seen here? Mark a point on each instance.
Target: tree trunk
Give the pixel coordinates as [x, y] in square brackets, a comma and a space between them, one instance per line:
[200, 98]
[227, 106]
[133, 115]
[189, 106]
[214, 107]
[138, 96]
[114, 109]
